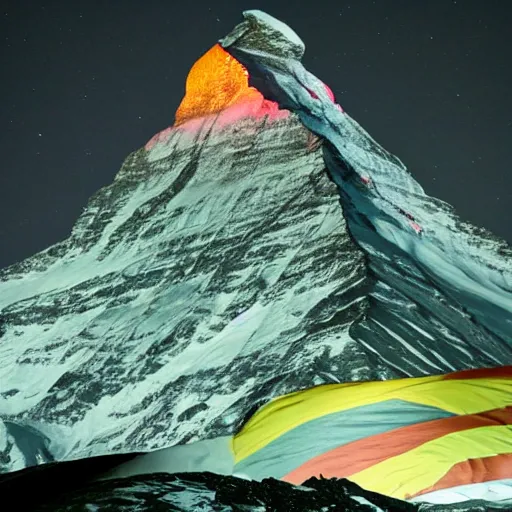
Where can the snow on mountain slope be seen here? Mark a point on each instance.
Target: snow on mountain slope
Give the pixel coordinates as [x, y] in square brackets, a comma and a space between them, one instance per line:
[448, 279]
[214, 273]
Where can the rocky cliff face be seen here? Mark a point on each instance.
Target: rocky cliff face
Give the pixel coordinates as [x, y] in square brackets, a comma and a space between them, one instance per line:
[441, 296]
[215, 273]
[57, 491]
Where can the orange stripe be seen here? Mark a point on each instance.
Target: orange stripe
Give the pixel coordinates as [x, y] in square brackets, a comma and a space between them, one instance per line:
[364, 453]
[481, 373]
[474, 471]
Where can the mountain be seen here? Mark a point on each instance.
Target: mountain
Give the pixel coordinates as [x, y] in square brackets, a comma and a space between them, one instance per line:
[263, 245]
[212, 492]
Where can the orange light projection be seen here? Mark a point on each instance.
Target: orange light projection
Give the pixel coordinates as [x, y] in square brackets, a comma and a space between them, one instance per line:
[216, 81]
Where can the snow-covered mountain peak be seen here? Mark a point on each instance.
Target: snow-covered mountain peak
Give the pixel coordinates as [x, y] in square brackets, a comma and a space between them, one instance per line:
[264, 244]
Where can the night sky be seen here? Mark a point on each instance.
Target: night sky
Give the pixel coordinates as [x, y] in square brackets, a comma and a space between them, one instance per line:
[83, 84]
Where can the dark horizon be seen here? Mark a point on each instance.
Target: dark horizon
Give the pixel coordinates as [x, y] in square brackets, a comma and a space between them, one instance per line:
[87, 84]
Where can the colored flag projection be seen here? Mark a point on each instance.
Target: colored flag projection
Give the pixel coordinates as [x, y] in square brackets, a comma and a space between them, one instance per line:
[402, 438]
[215, 82]
[218, 82]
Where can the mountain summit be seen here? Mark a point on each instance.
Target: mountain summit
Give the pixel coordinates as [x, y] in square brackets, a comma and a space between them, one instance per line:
[262, 247]
[216, 82]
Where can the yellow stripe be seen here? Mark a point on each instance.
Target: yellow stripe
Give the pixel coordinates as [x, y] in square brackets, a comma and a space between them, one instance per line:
[282, 414]
[409, 473]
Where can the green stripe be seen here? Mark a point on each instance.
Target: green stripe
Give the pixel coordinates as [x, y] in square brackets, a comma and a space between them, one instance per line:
[327, 432]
